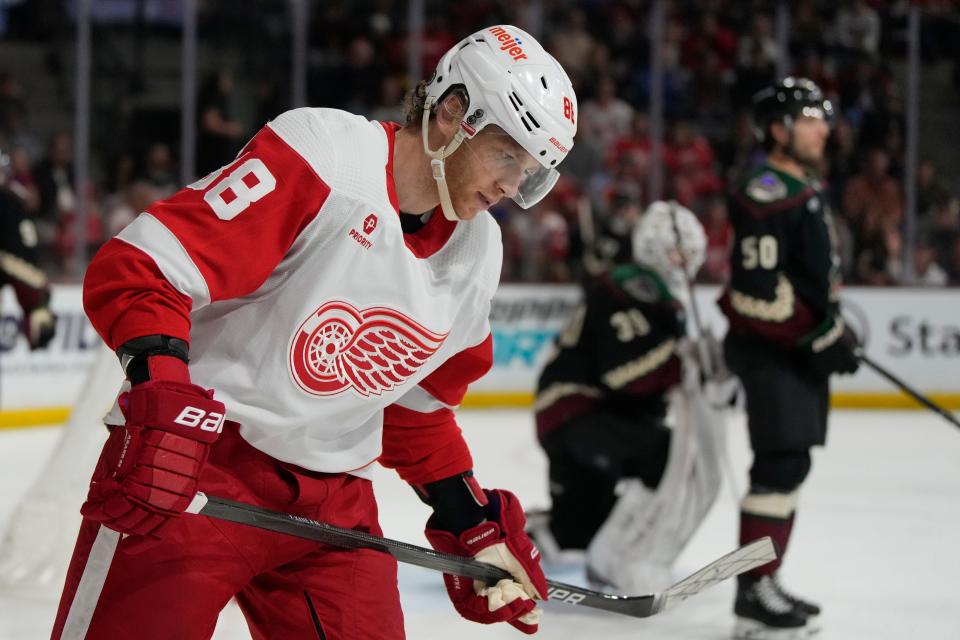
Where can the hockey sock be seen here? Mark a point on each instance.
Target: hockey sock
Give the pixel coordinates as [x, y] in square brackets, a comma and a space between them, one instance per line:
[767, 514]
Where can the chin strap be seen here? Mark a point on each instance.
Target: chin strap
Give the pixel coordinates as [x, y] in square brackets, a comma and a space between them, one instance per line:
[437, 161]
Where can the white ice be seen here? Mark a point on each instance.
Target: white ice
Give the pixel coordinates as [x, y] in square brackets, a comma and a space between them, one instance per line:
[876, 541]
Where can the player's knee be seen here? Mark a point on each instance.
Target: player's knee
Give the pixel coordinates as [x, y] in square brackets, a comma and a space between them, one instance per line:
[781, 472]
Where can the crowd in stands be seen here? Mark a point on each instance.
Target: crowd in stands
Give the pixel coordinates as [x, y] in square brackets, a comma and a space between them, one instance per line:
[716, 54]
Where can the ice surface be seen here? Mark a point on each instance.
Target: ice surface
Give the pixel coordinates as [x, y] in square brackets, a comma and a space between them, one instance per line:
[876, 538]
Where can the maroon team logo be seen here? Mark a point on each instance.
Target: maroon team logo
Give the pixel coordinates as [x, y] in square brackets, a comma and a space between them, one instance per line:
[369, 224]
[370, 350]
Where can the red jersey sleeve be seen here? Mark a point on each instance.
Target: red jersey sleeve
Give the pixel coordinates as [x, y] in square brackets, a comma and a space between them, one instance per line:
[421, 438]
[216, 239]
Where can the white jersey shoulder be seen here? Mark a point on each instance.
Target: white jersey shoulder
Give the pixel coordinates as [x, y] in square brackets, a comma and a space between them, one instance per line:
[347, 151]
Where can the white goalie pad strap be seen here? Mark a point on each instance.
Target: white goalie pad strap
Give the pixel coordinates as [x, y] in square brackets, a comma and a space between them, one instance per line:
[150, 236]
[420, 400]
[771, 505]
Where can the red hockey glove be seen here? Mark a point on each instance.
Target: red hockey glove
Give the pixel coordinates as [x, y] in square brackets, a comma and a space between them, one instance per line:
[148, 470]
[499, 541]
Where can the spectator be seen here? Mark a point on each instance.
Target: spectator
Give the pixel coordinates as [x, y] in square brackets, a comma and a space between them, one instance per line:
[856, 29]
[954, 264]
[716, 224]
[573, 45]
[842, 155]
[807, 28]
[873, 195]
[710, 37]
[926, 271]
[605, 118]
[218, 135]
[22, 181]
[58, 198]
[363, 80]
[160, 172]
[15, 131]
[136, 197]
[879, 259]
[688, 158]
[631, 153]
[758, 46]
[944, 229]
[931, 192]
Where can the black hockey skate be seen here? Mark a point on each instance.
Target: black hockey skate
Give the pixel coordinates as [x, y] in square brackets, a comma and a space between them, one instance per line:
[808, 609]
[763, 613]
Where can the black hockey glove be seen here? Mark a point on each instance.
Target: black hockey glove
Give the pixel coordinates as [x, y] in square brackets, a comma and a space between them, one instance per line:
[39, 326]
[832, 348]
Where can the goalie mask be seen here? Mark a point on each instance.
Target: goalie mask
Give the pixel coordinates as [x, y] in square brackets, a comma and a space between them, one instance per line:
[670, 240]
[511, 82]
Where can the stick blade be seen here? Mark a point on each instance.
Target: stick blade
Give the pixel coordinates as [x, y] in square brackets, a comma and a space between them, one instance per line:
[756, 554]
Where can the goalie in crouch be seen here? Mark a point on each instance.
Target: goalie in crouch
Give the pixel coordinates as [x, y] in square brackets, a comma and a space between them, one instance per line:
[600, 408]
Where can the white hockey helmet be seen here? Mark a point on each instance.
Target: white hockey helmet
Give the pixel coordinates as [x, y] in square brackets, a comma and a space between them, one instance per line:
[512, 82]
[669, 239]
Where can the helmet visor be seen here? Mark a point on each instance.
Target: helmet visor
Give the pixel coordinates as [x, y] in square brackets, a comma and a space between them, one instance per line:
[516, 172]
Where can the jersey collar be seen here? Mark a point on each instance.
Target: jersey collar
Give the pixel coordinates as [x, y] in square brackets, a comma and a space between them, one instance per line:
[434, 235]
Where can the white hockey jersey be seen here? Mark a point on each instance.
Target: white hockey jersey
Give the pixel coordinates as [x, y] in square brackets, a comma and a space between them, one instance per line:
[308, 310]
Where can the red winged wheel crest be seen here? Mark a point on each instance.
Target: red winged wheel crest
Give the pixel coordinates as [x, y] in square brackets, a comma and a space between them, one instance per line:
[371, 350]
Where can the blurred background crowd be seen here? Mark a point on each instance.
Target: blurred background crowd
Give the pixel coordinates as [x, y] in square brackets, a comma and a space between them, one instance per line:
[712, 55]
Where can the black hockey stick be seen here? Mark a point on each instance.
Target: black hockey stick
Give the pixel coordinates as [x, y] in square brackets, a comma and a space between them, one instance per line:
[907, 389]
[755, 554]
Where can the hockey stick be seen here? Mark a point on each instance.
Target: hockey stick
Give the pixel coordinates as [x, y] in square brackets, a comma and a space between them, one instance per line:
[910, 391]
[755, 554]
[711, 369]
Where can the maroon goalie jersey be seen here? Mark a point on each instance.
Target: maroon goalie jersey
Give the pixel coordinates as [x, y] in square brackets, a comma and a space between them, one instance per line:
[332, 337]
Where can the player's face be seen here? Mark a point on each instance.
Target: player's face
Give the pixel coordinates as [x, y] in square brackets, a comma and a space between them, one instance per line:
[488, 168]
[810, 139]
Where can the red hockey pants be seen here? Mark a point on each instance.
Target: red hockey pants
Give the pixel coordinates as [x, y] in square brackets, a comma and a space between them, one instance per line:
[134, 587]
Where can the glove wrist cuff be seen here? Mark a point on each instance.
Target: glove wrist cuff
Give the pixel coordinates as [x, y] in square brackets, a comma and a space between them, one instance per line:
[184, 409]
[458, 502]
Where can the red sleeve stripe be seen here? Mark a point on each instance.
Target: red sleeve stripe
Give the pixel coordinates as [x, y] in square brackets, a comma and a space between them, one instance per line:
[157, 241]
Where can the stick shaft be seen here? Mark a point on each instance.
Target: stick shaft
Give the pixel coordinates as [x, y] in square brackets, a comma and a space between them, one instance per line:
[910, 391]
[641, 606]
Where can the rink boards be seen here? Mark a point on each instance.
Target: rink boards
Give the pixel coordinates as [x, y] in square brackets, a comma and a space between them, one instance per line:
[914, 332]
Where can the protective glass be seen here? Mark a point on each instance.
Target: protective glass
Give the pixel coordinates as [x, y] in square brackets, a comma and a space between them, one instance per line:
[514, 168]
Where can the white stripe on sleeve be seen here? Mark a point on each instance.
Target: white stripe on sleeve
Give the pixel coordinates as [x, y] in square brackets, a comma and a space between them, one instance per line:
[150, 236]
[421, 400]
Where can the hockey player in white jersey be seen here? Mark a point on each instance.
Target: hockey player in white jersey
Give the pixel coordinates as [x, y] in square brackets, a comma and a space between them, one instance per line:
[329, 290]
[626, 488]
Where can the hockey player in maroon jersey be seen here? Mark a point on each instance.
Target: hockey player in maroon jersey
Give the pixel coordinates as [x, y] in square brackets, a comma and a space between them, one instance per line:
[600, 408]
[18, 265]
[330, 292]
[786, 335]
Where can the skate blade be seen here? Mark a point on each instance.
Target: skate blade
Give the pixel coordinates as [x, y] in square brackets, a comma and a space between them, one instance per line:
[747, 629]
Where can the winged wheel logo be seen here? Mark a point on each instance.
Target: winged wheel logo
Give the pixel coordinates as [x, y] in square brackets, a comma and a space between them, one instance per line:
[373, 350]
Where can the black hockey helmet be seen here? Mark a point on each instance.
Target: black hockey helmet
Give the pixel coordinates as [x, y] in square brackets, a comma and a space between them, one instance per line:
[789, 99]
